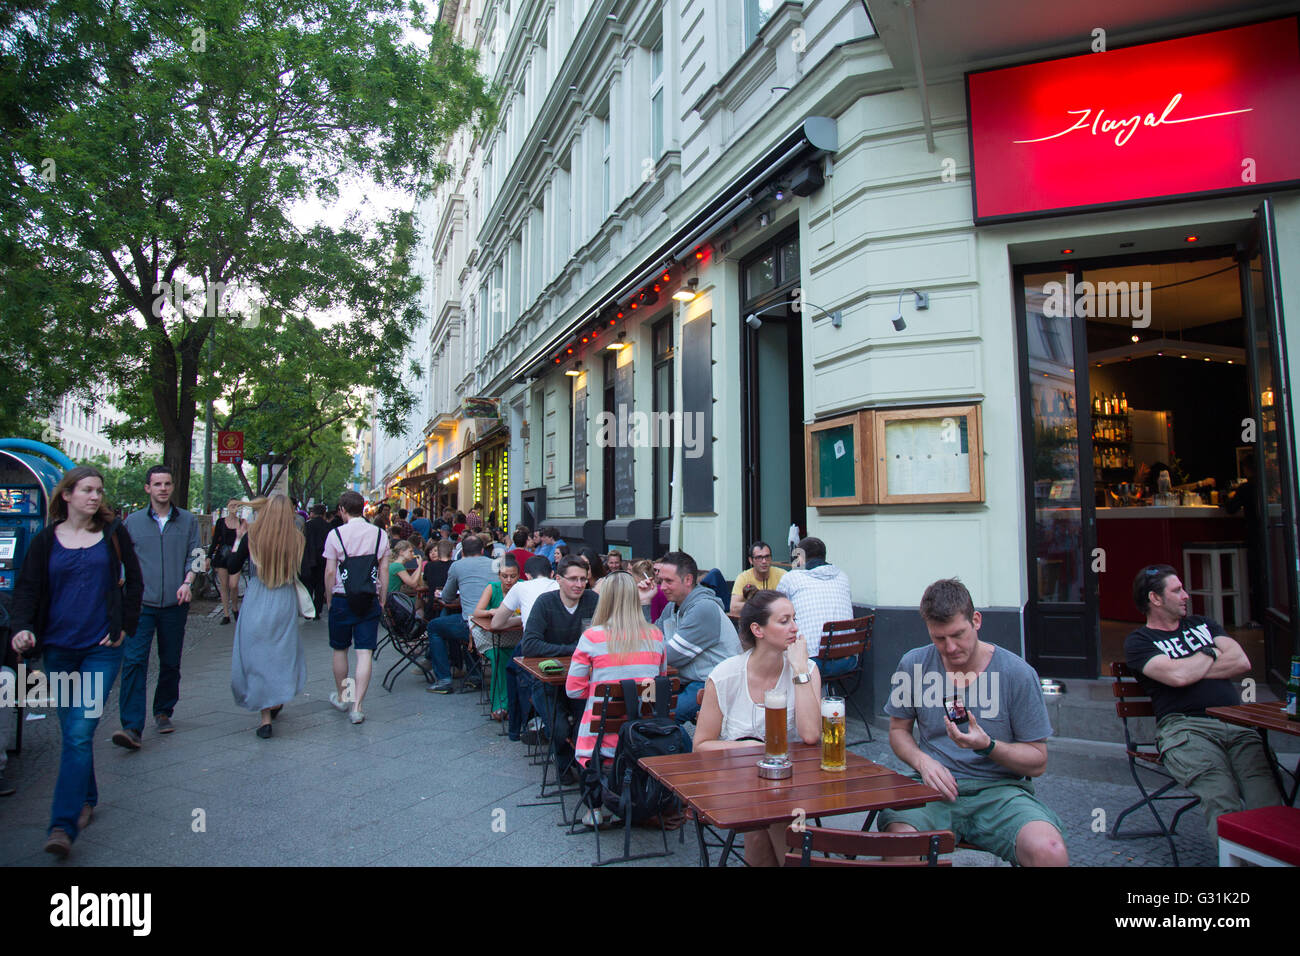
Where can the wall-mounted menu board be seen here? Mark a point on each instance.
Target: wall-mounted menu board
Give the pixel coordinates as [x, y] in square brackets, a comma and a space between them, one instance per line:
[838, 462]
[927, 455]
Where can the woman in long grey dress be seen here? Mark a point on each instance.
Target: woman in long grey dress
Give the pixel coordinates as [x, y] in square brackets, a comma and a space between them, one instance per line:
[268, 667]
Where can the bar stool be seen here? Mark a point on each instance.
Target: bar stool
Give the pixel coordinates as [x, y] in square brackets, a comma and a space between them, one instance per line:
[1214, 558]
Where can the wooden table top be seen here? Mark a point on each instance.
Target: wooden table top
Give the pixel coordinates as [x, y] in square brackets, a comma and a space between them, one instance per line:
[558, 678]
[1269, 716]
[724, 788]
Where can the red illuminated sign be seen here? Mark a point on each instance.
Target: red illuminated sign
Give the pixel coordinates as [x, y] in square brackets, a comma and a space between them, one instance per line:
[1214, 113]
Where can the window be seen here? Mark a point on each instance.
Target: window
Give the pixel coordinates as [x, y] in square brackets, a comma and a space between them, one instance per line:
[662, 437]
[657, 99]
[757, 13]
[776, 267]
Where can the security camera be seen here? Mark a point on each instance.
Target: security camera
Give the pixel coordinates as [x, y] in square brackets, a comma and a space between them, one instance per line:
[899, 322]
[754, 322]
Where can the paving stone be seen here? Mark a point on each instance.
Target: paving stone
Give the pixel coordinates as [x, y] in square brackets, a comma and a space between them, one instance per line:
[425, 780]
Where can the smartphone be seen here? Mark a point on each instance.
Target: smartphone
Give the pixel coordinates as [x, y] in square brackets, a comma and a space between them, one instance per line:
[956, 711]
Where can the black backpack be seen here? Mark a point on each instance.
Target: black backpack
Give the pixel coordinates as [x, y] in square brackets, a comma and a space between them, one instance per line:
[627, 790]
[360, 576]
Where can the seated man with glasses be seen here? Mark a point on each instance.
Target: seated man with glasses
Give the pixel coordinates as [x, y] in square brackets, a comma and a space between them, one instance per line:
[1186, 663]
[759, 576]
[555, 623]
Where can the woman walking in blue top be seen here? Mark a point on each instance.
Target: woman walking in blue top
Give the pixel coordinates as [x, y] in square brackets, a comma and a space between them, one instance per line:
[78, 596]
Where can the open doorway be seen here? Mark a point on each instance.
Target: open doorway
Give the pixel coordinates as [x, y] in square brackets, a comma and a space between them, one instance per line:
[1152, 436]
[772, 397]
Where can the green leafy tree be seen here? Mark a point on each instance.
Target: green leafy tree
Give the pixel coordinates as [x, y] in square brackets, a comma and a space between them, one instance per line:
[154, 150]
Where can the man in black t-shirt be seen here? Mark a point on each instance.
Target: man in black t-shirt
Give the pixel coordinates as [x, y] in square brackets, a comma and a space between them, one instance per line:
[1187, 664]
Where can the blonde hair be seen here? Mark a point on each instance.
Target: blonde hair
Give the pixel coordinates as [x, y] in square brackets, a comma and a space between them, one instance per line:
[619, 613]
[643, 568]
[274, 542]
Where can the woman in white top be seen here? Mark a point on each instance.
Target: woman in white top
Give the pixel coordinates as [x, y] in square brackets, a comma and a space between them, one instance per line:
[731, 714]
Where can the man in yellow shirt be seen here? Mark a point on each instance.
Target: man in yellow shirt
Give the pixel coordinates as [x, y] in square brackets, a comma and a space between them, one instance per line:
[760, 576]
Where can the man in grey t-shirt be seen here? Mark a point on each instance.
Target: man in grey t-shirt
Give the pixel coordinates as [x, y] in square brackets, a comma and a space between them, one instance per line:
[984, 733]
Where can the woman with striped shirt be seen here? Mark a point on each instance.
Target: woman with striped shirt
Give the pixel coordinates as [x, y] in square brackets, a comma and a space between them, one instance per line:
[619, 645]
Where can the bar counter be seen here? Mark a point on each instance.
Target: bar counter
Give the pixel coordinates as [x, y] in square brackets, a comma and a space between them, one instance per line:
[1132, 538]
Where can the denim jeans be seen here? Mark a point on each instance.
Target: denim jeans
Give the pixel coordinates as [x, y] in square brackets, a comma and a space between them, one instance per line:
[837, 667]
[170, 625]
[519, 694]
[687, 708]
[76, 783]
[443, 630]
[567, 712]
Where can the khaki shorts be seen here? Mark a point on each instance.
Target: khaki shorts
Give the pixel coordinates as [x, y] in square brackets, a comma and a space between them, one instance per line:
[987, 813]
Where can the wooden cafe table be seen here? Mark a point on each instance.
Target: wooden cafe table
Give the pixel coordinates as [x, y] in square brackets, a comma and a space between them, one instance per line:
[725, 791]
[1263, 717]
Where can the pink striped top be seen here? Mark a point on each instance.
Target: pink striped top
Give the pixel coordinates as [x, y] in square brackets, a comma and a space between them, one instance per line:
[594, 664]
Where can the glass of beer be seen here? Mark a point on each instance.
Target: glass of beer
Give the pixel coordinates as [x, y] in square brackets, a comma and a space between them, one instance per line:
[833, 739]
[774, 704]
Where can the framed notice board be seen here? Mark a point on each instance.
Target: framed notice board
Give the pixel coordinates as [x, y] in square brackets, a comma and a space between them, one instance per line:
[928, 455]
[838, 463]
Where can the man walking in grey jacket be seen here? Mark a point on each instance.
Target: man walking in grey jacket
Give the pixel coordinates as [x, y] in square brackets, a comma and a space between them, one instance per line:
[166, 542]
[698, 635]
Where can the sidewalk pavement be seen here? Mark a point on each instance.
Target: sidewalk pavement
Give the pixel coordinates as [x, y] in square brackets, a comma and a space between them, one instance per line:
[426, 780]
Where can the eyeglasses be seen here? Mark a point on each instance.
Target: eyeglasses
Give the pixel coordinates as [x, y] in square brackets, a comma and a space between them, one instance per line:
[575, 580]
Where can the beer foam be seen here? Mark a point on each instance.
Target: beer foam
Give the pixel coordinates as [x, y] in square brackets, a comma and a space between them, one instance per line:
[833, 707]
[774, 699]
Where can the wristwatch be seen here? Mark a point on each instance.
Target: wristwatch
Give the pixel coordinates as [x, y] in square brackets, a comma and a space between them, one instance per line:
[800, 679]
[985, 751]
[1209, 649]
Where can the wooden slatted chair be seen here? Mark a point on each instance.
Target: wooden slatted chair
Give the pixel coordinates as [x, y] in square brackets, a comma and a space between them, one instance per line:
[1132, 703]
[609, 713]
[922, 848]
[842, 639]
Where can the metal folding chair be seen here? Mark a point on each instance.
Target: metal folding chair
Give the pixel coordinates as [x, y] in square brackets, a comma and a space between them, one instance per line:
[1132, 703]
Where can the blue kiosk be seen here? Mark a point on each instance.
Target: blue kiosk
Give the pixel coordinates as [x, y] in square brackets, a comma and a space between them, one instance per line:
[27, 479]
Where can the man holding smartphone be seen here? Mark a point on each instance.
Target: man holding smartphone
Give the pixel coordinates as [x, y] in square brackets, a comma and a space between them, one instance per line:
[981, 764]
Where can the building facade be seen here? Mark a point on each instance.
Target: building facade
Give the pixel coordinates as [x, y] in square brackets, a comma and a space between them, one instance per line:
[723, 270]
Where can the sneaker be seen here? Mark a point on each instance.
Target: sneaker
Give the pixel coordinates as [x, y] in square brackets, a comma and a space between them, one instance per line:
[164, 724]
[7, 789]
[130, 739]
[472, 683]
[593, 818]
[442, 687]
[83, 819]
[336, 703]
[59, 843]
[356, 716]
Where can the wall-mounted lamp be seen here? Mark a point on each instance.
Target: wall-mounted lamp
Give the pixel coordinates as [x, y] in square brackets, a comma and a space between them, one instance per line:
[619, 344]
[754, 322]
[922, 303]
[575, 371]
[688, 292]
